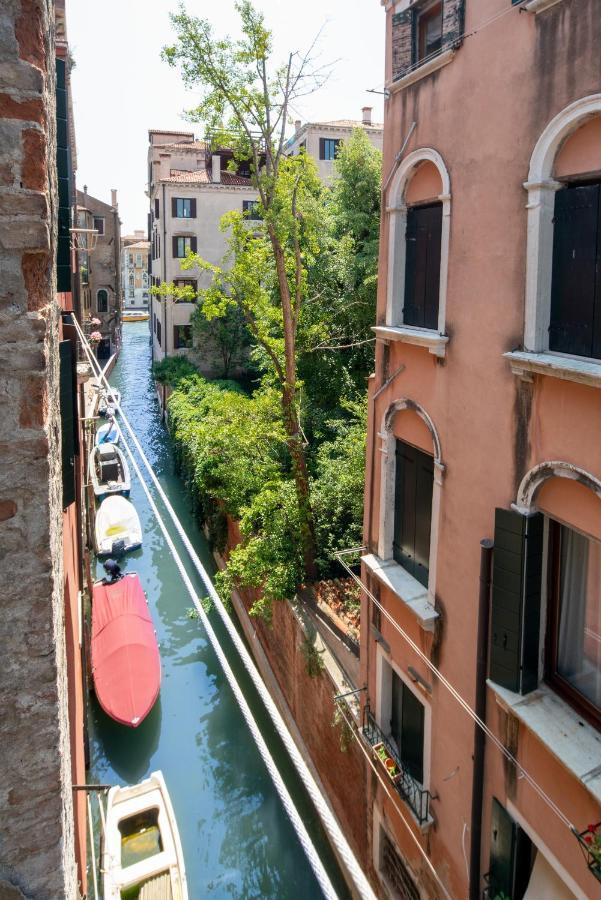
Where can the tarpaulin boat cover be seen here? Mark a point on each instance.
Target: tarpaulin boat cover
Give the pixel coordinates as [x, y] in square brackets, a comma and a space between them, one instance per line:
[126, 665]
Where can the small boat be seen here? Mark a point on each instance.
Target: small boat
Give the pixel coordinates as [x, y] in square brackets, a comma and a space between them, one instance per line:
[107, 403]
[109, 433]
[142, 855]
[135, 316]
[117, 527]
[109, 472]
[126, 666]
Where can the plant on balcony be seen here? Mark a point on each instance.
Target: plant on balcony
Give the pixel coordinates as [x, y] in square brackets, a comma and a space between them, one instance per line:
[590, 842]
[387, 762]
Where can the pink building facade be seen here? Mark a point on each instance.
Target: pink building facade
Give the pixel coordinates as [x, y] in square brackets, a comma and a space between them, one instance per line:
[482, 557]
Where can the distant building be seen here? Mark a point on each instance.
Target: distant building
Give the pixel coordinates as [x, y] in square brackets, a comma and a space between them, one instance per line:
[189, 190]
[322, 139]
[100, 270]
[134, 271]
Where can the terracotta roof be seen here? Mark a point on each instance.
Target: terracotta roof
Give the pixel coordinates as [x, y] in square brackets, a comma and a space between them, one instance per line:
[142, 245]
[183, 145]
[169, 131]
[350, 123]
[201, 176]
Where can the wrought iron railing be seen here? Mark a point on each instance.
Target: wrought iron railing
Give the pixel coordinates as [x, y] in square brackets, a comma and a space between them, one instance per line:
[410, 790]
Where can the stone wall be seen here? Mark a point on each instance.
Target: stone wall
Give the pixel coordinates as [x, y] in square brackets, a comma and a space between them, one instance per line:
[36, 831]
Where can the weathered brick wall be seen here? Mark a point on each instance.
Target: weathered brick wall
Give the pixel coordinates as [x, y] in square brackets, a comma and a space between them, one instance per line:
[36, 821]
[404, 37]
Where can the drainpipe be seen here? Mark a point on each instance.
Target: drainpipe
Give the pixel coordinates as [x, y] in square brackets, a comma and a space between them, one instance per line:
[164, 278]
[486, 553]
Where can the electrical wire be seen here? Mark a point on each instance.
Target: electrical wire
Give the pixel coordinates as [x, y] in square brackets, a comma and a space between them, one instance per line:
[454, 693]
[325, 813]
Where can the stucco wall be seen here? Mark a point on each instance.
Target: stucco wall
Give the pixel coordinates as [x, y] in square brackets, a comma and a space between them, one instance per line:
[36, 839]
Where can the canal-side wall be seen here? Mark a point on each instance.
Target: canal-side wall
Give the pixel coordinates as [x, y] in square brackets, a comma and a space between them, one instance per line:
[37, 843]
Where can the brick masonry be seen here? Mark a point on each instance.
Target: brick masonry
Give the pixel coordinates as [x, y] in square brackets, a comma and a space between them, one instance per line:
[36, 834]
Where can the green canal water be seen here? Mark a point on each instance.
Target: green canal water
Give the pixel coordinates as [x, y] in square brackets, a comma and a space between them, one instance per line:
[236, 837]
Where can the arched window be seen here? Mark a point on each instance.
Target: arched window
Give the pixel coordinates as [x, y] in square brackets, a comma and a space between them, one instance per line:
[418, 252]
[102, 301]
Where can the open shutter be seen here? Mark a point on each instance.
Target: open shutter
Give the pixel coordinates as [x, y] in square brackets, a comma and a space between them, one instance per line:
[511, 855]
[412, 743]
[576, 257]
[403, 547]
[322, 148]
[423, 515]
[174, 247]
[516, 595]
[174, 207]
[68, 423]
[193, 244]
[193, 208]
[156, 208]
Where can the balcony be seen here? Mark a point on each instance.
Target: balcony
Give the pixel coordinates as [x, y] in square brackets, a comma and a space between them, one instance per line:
[409, 789]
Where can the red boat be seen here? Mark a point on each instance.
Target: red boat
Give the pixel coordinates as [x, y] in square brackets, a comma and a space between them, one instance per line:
[126, 665]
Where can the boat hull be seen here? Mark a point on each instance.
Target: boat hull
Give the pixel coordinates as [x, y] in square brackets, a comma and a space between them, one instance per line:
[121, 484]
[126, 665]
[117, 527]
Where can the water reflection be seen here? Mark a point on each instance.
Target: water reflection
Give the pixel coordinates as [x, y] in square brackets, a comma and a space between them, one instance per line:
[128, 750]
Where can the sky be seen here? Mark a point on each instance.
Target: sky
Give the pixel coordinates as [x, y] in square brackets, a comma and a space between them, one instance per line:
[121, 87]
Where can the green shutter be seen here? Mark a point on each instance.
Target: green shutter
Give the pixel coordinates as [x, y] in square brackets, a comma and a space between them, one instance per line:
[516, 593]
[68, 424]
[511, 855]
[63, 167]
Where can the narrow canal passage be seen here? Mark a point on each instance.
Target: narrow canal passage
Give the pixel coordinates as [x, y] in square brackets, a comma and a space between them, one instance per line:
[236, 837]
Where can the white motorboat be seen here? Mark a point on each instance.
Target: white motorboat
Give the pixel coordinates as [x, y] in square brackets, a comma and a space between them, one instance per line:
[109, 433]
[108, 400]
[108, 470]
[117, 527]
[142, 855]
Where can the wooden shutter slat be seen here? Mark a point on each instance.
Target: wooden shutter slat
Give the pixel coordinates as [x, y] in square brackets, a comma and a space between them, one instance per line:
[433, 220]
[174, 207]
[412, 742]
[423, 515]
[193, 208]
[67, 406]
[422, 266]
[322, 148]
[156, 208]
[174, 247]
[193, 244]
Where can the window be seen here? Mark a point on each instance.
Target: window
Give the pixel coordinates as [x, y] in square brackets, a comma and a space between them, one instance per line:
[250, 208]
[414, 481]
[428, 31]
[575, 325]
[422, 266]
[99, 224]
[407, 727]
[394, 870]
[158, 330]
[512, 855]
[573, 654]
[181, 245]
[132, 292]
[138, 260]
[156, 208]
[185, 282]
[328, 148]
[102, 301]
[131, 260]
[182, 337]
[183, 208]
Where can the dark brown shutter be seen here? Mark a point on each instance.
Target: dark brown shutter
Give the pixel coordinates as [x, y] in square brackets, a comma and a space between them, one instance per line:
[413, 510]
[174, 207]
[67, 392]
[193, 244]
[193, 208]
[575, 325]
[412, 746]
[322, 148]
[63, 171]
[174, 247]
[511, 855]
[422, 266]
[156, 208]
[516, 594]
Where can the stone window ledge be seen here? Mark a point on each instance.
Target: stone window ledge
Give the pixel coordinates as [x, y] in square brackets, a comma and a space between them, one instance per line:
[421, 337]
[413, 595]
[570, 368]
[575, 743]
[537, 6]
[437, 62]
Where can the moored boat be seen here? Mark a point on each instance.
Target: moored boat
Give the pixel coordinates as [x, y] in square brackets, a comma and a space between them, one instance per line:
[109, 433]
[126, 665]
[142, 855]
[108, 401]
[117, 527]
[108, 471]
[135, 316]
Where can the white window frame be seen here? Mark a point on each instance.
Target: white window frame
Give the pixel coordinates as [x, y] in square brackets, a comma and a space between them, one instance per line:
[394, 327]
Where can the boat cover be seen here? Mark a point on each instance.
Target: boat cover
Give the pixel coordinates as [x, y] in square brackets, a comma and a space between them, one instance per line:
[126, 665]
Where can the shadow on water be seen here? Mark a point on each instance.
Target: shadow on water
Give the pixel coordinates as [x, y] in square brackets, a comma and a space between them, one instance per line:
[237, 839]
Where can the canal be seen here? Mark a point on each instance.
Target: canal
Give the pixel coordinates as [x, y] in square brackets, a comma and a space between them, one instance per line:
[236, 837]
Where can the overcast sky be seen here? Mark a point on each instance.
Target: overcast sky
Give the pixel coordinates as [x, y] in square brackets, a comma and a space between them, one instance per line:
[121, 87]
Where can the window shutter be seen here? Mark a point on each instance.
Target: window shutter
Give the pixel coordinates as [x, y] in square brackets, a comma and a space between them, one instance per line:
[413, 510]
[174, 207]
[68, 422]
[576, 260]
[510, 855]
[156, 208]
[422, 266]
[516, 595]
[193, 244]
[322, 148]
[174, 247]
[423, 515]
[193, 208]
[412, 745]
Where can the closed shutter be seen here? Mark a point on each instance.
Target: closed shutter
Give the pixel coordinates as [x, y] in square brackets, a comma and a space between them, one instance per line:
[516, 595]
[156, 208]
[322, 148]
[193, 244]
[575, 325]
[68, 422]
[422, 268]
[63, 171]
[175, 254]
[174, 207]
[193, 208]
[413, 510]
[412, 747]
[511, 855]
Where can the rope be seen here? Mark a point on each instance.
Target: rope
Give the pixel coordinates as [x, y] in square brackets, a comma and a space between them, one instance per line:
[454, 693]
[328, 820]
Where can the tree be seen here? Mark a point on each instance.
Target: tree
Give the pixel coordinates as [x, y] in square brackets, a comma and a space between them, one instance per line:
[226, 335]
[245, 103]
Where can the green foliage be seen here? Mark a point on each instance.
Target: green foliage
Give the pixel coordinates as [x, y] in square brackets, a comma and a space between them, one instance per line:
[226, 337]
[172, 370]
[313, 658]
[340, 721]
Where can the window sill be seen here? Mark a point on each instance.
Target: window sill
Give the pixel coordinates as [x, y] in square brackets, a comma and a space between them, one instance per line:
[537, 6]
[575, 743]
[408, 589]
[420, 337]
[422, 71]
[569, 368]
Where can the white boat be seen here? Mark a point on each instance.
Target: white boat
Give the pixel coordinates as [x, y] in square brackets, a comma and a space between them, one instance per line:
[142, 855]
[108, 471]
[107, 402]
[117, 527]
[109, 433]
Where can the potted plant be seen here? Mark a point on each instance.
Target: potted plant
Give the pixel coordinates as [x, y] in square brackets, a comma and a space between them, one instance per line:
[387, 762]
[590, 841]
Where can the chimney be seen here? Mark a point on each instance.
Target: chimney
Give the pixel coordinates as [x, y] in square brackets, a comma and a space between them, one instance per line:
[216, 168]
[297, 125]
[366, 115]
[164, 165]
[114, 198]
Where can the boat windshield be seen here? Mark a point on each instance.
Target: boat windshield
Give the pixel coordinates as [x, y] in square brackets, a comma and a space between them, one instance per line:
[140, 837]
